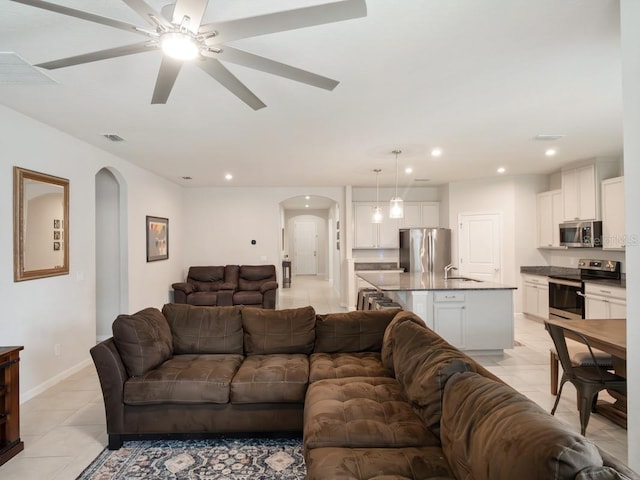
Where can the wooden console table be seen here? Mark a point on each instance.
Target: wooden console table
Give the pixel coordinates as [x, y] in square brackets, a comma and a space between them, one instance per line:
[10, 443]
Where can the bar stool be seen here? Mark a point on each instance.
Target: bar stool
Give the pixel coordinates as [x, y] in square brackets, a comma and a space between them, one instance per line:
[373, 298]
[366, 296]
[361, 292]
[388, 306]
[378, 303]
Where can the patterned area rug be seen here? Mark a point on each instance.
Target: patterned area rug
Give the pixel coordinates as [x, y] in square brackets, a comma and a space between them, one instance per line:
[219, 459]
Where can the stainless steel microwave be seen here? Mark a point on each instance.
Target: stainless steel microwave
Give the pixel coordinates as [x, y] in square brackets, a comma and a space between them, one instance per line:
[581, 234]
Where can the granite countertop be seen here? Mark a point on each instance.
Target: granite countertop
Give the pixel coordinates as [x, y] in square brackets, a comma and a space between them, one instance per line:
[358, 266]
[547, 271]
[388, 281]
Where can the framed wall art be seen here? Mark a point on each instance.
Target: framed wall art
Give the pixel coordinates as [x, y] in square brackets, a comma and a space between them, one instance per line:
[157, 238]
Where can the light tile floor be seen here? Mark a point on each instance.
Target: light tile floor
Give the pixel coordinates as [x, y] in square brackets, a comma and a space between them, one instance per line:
[64, 427]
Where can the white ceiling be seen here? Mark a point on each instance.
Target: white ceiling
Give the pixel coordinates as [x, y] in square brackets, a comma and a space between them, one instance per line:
[478, 78]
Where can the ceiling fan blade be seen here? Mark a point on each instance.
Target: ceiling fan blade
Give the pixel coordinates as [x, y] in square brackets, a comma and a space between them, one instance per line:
[228, 80]
[194, 9]
[99, 55]
[287, 20]
[169, 69]
[240, 57]
[85, 16]
[152, 17]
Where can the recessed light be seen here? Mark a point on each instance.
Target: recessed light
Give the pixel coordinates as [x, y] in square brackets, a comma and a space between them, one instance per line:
[550, 152]
[306, 205]
[408, 170]
[502, 170]
[307, 197]
[436, 152]
[228, 176]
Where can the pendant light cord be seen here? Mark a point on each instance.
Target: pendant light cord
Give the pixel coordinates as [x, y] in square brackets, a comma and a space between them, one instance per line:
[397, 151]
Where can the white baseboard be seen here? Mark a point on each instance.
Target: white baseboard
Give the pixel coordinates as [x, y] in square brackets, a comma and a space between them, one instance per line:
[28, 395]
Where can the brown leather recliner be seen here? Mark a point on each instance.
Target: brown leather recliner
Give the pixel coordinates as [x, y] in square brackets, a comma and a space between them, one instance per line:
[257, 286]
[207, 286]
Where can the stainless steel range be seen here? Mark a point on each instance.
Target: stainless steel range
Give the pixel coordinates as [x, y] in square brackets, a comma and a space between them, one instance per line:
[566, 292]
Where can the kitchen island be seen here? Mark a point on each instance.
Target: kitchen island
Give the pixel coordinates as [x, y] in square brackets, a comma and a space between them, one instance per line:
[472, 315]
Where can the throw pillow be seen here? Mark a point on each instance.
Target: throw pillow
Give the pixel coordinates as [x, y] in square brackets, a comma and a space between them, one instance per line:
[269, 331]
[143, 340]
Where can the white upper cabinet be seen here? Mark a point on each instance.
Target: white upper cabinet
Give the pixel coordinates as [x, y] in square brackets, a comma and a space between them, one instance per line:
[421, 214]
[386, 234]
[579, 193]
[581, 189]
[613, 214]
[374, 235]
[550, 215]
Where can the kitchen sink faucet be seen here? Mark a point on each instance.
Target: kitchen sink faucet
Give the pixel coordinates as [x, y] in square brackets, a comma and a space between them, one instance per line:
[447, 269]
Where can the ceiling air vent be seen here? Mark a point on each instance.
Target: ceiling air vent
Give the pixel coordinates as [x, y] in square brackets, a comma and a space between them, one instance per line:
[548, 138]
[15, 70]
[421, 179]
[113, 137]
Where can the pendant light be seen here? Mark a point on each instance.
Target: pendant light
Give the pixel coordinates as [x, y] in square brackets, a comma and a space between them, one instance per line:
[396, 210]
[377, 211]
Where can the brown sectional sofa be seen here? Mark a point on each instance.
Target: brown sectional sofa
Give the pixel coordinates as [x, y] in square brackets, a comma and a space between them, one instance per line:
[376, 394]
[250, 285]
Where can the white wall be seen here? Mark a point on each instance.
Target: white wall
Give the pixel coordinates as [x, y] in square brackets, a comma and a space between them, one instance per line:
[515, 199]
[220, 223]
[62, 310]
[630, 14]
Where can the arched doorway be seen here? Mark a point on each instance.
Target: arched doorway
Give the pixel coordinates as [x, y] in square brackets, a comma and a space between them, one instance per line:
[112, 289]
[310, 236]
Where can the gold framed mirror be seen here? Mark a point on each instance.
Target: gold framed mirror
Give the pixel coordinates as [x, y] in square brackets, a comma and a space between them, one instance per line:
[40, 225]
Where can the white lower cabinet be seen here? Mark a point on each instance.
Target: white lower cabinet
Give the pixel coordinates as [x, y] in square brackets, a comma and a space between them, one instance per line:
[449, 312]
[604, 301]
[535, 296]
[474, 319]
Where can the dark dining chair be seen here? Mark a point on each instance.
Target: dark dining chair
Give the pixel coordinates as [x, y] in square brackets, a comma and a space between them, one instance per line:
[589, 380]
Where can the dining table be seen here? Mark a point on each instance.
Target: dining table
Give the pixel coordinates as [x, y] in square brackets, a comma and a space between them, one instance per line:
[610, 336]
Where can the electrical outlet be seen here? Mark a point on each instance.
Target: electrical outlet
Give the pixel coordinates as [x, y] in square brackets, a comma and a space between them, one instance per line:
[56, 349]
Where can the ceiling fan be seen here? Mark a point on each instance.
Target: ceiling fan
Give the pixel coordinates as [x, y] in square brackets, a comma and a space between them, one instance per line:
[178, 31]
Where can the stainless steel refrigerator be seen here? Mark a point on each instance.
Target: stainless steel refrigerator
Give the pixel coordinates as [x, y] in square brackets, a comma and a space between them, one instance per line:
[426, 250]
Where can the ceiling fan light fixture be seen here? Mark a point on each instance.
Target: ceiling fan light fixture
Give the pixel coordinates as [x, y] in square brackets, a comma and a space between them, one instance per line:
[180, 46]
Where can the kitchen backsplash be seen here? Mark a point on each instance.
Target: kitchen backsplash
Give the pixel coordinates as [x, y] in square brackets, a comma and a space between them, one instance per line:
[569, 258]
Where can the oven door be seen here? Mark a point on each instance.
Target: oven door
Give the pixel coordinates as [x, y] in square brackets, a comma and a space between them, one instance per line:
[565, 299]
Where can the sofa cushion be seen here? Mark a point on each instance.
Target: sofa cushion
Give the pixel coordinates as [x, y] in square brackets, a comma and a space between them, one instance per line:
[359, 331]
[362, 412]
[203, 298]
[205, 329]
[185, 379]
[143, 340]
[387, 339]
[341, 365]
[411, 463]
[275, 378]
[491, 432]
[251, 277]
[248, 297]
[423, 364]
[278, 331]
[206, 279]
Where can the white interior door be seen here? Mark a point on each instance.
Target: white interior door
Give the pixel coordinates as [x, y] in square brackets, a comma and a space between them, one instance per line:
[305, 248]
[479, 246]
